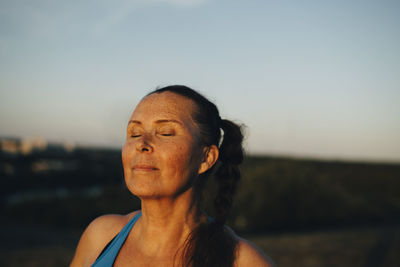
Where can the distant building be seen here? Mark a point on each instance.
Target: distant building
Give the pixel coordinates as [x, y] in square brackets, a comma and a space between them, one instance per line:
[28, 145]
[45, 165]
[69, 146]
[22, 146]
[10, 145]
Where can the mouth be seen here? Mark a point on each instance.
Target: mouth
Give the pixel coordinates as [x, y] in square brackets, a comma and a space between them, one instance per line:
[142, 167]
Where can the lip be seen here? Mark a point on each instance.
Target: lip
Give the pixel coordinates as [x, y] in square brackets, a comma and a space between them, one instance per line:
[144, 167]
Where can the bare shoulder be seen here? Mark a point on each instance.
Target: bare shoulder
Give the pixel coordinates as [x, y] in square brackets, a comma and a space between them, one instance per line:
[248, 254]
[96, 236]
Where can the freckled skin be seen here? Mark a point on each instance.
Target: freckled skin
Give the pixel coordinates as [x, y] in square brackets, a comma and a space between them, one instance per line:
[177, 157]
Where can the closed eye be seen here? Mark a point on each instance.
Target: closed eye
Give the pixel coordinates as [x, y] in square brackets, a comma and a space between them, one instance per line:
[167, 134]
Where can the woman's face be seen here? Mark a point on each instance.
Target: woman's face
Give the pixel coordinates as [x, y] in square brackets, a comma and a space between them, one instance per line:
[162, 153]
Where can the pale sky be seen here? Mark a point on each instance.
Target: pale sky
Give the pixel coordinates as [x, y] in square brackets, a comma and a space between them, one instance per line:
[314, 79]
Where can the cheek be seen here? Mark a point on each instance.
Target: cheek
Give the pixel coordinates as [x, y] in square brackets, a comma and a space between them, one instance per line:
[184, 161]
[126, 155]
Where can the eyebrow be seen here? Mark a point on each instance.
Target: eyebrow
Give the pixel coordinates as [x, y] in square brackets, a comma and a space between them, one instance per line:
[157, 121]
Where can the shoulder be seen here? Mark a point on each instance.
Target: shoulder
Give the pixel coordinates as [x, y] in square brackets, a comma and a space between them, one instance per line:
[97, 235]
[248, 254]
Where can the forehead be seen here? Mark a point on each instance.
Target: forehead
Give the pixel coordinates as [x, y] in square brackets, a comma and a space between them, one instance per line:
[166, 105]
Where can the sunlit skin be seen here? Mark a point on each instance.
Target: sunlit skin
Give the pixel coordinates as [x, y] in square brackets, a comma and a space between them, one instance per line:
[162, 153]
[162, 156]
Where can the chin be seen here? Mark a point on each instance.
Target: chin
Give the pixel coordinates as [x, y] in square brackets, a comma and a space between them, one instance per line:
[144, 190]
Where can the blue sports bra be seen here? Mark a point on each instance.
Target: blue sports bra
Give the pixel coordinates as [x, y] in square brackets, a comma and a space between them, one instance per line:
[108, 255]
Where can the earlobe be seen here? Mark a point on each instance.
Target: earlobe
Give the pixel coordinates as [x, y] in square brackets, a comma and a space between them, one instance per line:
[210, 157]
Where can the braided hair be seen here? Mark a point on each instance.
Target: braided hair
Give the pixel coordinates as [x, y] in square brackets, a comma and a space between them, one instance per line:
[211, 244]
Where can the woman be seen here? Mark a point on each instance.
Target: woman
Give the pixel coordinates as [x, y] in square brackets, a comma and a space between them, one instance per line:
[173, 144]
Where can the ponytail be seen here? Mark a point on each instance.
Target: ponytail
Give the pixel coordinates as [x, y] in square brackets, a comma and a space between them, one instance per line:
[212, 244]
[228, 173]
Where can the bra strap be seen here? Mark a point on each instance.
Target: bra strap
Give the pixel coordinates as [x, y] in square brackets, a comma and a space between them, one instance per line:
[107, 258]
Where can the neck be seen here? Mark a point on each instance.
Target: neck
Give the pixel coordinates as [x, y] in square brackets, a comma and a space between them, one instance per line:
[167, 222]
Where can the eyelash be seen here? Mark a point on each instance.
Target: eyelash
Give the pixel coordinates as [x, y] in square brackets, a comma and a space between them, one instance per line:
[138, 135]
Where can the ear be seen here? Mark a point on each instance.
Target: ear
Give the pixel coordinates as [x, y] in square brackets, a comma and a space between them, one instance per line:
[211, 154]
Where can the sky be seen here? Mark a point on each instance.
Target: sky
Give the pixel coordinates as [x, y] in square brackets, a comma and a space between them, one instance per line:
[317, 79]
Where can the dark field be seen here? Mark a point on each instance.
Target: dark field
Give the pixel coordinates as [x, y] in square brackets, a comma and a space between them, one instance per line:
[300, 212]
[356, 247]
[365, 247]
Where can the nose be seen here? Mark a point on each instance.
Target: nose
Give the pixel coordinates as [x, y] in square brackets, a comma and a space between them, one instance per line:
[144, 145]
